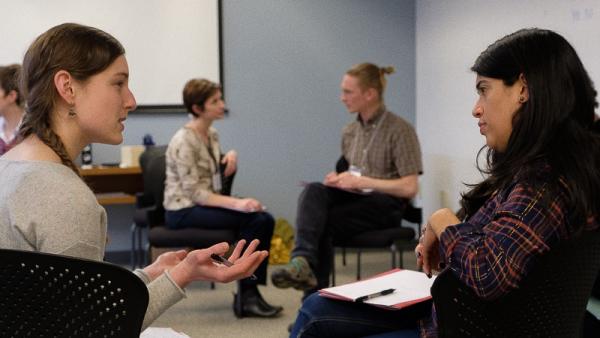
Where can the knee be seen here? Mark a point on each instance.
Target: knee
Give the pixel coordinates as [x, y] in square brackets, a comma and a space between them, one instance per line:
[315, 187]
[266, 219]
[312, 190]
[313, 305]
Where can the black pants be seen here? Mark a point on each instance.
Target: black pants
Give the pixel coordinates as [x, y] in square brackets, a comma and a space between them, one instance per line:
[326, 215]
[249, 225]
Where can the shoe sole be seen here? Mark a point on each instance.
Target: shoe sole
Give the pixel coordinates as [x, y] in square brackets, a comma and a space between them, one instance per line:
[283, 279]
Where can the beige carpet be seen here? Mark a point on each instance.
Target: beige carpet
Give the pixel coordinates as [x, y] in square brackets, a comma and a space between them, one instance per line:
[208, 313]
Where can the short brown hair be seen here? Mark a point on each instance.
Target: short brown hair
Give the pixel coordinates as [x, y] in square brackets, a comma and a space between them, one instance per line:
[9, 81]
[197, 91]
[371, 76]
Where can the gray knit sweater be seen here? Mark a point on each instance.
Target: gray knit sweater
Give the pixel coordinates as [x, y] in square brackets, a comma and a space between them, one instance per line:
[45, 207]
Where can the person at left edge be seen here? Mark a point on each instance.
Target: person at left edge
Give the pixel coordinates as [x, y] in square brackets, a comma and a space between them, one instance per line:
[11, 106]
[193, 195]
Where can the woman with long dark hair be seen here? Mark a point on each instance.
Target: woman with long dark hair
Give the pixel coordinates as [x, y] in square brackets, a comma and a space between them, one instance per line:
[536, 111]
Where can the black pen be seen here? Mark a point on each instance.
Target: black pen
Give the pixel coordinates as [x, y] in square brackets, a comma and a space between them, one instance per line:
[222, 260]
[362, 299]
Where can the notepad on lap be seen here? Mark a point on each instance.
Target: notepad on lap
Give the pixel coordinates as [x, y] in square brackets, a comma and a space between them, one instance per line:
[410, 287]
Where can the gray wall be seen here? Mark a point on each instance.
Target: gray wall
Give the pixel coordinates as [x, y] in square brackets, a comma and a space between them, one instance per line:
[283, 63]
[450, 35]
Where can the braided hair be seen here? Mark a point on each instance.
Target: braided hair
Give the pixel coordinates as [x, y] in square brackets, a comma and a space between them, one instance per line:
[80, 50]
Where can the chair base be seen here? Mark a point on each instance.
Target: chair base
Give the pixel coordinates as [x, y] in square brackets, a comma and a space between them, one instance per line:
[396, 248]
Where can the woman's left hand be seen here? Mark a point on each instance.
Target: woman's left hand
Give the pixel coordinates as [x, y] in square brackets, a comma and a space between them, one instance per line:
[428, 254]
[230, 161]
[198, 264]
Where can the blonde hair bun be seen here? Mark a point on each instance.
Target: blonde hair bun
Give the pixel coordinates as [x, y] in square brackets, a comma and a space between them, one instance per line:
[387, 70]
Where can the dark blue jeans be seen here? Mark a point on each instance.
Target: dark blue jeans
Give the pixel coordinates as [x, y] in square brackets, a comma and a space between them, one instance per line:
[323, 317]
[325, 214]
[258, 225]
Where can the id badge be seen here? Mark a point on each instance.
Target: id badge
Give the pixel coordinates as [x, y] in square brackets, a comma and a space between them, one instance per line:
[354, 170]
[216, 182]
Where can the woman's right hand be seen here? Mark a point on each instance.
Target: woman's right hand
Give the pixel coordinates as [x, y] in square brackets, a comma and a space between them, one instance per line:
[248, 205]
[427, 251]
[198, 265]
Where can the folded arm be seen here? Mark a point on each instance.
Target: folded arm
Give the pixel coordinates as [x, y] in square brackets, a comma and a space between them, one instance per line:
[493, 259]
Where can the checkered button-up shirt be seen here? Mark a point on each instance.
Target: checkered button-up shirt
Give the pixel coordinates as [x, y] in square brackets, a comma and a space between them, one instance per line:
[385, 147]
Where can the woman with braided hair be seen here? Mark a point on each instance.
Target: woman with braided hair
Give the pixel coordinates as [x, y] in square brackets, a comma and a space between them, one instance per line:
[75, 79]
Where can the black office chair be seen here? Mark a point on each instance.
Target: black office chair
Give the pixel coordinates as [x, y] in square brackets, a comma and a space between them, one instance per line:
[396, 239]
[146, 203]
[46, 295]
[550, 302]
[152, 162]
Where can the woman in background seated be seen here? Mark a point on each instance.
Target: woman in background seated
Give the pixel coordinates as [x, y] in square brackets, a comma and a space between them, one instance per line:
[193, 187]
[536, 109]
[76, 79]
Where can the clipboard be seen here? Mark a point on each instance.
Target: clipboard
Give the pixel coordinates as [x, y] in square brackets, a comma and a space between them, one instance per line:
[410, 287]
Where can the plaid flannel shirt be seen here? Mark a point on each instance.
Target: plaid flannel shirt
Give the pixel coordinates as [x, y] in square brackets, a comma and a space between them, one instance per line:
[493, 250]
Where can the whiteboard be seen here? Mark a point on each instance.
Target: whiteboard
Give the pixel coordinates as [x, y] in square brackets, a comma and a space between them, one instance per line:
[167, 42]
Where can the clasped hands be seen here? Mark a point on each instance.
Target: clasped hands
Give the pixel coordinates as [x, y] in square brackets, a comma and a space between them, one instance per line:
[249, 205]
[427, 251]
[345, 181]
[185, 267]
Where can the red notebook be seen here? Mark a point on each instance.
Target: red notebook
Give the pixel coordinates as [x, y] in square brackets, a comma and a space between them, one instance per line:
[394, 289]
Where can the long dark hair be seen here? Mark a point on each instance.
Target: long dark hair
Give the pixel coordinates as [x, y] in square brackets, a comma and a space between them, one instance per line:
[80, 50]
[553, 127]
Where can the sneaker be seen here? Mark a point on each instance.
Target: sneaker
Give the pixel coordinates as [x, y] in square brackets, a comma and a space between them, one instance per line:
[297, 274]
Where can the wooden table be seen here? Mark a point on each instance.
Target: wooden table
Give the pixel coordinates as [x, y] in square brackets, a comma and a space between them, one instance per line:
[114, 185]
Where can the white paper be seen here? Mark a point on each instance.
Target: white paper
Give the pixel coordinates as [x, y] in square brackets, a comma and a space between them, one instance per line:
[162, 332]
[408, 286]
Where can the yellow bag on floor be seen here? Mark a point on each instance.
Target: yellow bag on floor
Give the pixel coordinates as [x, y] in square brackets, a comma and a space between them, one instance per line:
[282, 242]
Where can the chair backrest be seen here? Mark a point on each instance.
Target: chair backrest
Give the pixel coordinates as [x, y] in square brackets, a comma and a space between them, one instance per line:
[153, 165]
[550, 302]
[46, 295]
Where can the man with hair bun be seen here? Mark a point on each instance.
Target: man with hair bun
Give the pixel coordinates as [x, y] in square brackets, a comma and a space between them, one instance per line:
[374, 180]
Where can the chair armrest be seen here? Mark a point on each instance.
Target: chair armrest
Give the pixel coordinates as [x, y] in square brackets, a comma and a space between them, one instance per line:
[156, 216]
[142, 200]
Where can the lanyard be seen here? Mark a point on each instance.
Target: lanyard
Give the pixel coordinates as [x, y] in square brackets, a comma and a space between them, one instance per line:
[366, 149]
[216, 177]
[212, 155]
